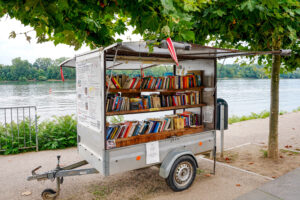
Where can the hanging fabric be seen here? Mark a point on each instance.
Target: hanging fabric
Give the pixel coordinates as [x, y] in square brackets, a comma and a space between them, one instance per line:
[172, 50]
[62, 74]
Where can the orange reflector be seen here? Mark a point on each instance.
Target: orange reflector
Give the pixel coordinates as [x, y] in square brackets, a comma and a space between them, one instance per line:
[138, 158]
[200, 143]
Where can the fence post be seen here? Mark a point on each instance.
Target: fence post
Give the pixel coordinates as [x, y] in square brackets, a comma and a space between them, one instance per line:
[36, 131]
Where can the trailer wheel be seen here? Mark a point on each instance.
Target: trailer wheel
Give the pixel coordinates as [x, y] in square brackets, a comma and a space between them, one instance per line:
[182, 174]
[48, 194]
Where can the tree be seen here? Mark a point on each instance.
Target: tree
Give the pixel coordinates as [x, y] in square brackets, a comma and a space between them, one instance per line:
[241, 24]
[258, 25]
[43, 63]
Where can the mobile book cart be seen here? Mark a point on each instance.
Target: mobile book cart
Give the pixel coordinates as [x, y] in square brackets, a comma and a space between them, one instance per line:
[173, 151]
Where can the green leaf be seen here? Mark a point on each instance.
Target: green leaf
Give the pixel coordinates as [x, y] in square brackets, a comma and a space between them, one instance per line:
[188, 35]
[220, 12]
[168, 5]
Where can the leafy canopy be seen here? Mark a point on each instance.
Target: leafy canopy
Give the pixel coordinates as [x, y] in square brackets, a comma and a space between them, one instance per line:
[241, 24]
[259, 25]
[96, 23]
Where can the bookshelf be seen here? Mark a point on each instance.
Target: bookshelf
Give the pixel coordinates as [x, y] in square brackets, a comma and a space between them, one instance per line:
[154, 109]
[122, 142]
[144, 138]
[155, 90]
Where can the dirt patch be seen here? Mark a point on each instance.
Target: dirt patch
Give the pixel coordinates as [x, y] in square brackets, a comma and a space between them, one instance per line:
[254, 158]
[134, 185]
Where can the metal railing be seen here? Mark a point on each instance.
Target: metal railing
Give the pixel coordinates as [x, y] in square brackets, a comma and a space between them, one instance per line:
[18, 128]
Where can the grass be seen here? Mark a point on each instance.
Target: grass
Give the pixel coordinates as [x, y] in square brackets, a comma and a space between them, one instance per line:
[262, 115]
[102, 192]
[264, 152]
[58, 133]
[289, 151]
[297, 109]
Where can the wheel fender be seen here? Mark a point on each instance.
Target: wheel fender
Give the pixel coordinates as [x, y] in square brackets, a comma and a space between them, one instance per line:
[169, 160]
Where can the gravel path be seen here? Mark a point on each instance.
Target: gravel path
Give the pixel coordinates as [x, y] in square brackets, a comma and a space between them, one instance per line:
[228, 183]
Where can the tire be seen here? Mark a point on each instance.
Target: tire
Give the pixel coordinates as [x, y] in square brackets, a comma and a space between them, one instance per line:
[48, 194]
[182, 174]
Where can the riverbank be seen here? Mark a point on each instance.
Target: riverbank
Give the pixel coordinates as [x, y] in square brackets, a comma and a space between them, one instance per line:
[61, 132]
[261, 115]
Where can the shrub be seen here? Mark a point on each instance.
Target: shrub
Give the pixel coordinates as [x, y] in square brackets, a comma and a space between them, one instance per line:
[60, 132]
[42, 78]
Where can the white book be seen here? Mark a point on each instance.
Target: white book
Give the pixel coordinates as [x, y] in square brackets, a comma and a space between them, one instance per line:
[132, 129]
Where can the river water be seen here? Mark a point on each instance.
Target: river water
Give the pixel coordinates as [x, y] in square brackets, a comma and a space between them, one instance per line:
[243, 96]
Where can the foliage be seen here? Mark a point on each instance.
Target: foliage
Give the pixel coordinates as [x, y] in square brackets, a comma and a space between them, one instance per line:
[60, 132]
[42, 69]
[242, 24]
[152, 71]
[259, 25]
[262, 115]
[250, 71]
[12, 139]
[116, 119]
[297, 109]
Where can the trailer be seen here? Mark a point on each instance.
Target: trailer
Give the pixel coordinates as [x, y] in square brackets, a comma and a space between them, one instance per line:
[173, 151]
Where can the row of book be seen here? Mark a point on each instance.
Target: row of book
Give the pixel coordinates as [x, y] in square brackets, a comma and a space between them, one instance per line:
[118, 103]
[152, 126]
[171, 82]
[150, 82]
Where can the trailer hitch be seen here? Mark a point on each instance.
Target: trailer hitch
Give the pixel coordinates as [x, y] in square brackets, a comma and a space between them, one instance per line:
[59, 173]
[34, 170]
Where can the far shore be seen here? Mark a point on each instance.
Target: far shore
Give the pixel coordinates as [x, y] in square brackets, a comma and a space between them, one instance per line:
[49, 80]
[241, 78]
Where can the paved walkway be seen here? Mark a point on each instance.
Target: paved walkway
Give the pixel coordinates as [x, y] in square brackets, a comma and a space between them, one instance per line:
[227, 184]
[286, 187]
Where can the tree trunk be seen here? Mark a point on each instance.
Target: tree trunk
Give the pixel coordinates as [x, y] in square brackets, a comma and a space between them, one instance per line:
[274, 109]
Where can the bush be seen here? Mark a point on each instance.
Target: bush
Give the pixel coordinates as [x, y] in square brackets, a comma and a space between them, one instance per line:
[58, 133]
[61, 132]
[22, 78]
[42, 78]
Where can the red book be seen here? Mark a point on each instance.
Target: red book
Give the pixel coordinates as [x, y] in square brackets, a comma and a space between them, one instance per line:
[150, 82]
[115, 83]
[174, 101]
[163, 126]
[132, 84]
[138, 84]
[128, 129]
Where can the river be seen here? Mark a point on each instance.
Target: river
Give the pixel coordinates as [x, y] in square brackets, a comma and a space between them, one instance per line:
[57, 98]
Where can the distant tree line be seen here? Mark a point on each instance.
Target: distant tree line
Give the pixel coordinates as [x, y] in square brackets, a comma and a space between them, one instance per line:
[48, 69]
[42, 69]
[251, 71]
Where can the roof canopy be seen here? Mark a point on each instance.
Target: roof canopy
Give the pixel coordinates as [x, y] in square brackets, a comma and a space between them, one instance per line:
[140, 57]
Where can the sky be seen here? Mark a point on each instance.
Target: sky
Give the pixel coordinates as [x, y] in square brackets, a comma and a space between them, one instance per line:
[20, 47]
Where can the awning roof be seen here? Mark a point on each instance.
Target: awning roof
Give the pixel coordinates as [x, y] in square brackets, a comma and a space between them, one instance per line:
[138, 52]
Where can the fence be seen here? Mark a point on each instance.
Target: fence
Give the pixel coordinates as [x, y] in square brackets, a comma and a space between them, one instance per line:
[18, 128]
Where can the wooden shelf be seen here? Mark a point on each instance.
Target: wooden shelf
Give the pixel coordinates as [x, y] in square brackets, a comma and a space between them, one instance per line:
[122, 142]
[154, 90]
[153, 109]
